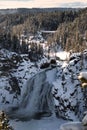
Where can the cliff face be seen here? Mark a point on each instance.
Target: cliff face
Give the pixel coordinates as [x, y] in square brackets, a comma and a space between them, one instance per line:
[15, 69]
[26, 91]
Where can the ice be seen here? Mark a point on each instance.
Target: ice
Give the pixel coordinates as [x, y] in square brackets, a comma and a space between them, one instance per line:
[50, 123]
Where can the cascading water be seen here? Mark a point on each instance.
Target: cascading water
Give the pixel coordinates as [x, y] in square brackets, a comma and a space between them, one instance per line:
[37, 99]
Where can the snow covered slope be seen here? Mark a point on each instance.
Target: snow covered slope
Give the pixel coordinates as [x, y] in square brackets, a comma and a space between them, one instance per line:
[15, 70]
[25, 88]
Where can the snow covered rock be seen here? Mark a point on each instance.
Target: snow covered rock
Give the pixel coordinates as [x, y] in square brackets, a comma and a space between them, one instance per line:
[84, 121]
[15, 69]
[68, 96]
[73, 126]
[13, 79]
[83, 75]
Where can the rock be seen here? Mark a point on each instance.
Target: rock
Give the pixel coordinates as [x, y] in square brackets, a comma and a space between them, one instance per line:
[85, 113]
[9, 62]
[45, 65]
[14, 85]
[84, 121]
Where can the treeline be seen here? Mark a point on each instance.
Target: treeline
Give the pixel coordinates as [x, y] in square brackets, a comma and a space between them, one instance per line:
[70, 25]
[9, 42]
[13, 25]
[73, 35]
[32, 22]
[45, 21]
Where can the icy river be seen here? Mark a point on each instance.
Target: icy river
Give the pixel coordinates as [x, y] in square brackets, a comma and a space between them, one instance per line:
[47, 123]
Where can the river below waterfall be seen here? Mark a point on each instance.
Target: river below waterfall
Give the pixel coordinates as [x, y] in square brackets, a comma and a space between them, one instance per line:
[47, 123]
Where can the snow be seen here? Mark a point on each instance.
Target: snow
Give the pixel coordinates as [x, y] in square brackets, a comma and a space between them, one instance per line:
[44, 31]
[24, 71]
[64, 64]
[51, 76]
[72, 126]
[50, 123]
[82, 75]
[66, 91]
[63, 55]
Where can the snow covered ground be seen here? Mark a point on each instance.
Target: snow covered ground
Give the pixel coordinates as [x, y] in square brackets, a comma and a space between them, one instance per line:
[63, 55]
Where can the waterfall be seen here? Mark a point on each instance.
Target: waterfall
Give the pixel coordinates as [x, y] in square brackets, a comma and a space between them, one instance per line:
[37, 99]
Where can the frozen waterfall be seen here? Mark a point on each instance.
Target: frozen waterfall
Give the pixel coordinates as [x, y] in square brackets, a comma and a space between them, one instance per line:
[37, 99]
